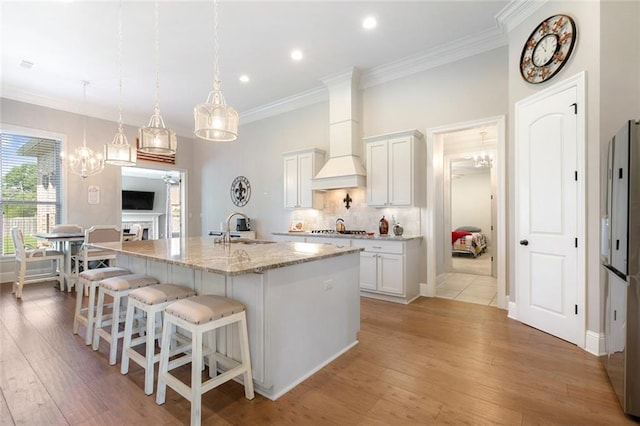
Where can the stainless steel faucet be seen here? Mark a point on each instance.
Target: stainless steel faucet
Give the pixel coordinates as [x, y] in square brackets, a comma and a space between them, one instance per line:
[227, 234]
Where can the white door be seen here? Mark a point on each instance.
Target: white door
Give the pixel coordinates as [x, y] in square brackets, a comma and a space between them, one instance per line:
[400, 182]
[368, 271]
[547, 214]
[305, 173]
[291, 181]
[377, 173]
[390, 273]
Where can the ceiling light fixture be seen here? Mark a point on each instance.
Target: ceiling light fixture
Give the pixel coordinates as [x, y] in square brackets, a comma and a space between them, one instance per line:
[483, 159]
[369, 23]
[156, 138]
[244, 78]
[84, 162]
[27, 64]
[119, 152]
[296, 55]
[214, 120]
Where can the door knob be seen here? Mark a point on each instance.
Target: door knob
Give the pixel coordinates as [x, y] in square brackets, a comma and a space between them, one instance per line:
[524, 242]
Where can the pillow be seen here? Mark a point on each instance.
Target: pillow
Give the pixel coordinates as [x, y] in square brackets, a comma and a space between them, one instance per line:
[469, 229]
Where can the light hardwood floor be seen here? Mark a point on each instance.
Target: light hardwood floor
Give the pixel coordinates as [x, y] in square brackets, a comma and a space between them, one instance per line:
[435, 361]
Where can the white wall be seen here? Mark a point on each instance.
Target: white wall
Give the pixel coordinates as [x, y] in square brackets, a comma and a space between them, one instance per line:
[604, 28]
[471, 202]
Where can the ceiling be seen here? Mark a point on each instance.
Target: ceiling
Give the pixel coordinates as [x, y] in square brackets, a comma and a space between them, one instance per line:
[70, 41]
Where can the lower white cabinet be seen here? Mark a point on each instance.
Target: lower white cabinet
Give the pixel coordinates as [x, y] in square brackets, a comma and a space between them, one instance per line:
[289, 238]
[389, 270]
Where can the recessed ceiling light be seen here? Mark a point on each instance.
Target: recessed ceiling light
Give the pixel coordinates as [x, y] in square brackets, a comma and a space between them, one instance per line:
[369, 22]
[27, 64]
[244, 78]
[296, 55]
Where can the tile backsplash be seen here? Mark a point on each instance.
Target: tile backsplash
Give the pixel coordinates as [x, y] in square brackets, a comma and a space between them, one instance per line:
[359, 216]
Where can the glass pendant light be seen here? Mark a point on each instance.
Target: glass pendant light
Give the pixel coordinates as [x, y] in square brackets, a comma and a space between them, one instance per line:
[84, 162]
[156, 138]
[214, 120]
[119, 152]
[483, 159]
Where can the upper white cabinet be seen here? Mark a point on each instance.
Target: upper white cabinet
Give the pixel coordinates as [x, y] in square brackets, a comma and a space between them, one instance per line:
[395, 169]
[299, 168]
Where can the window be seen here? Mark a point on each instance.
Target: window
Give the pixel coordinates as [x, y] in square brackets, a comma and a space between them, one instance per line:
[30, 193]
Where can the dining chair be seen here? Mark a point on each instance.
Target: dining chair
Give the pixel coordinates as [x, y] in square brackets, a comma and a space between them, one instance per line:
[99, 234]
[72, 251]
[136, 230]
[25, 256]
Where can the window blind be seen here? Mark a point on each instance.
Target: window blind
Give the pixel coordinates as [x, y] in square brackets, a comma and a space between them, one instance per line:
[30, 190]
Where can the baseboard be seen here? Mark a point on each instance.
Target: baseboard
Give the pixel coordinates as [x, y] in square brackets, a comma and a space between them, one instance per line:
[594, 343]
[513, 310]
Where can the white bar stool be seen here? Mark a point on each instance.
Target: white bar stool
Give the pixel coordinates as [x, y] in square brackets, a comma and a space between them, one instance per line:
[198, 315]
[118, 288]
[89, 280]
[152, 301]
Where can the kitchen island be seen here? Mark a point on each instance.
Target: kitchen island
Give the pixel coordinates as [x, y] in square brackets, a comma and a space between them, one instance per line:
[302, 300]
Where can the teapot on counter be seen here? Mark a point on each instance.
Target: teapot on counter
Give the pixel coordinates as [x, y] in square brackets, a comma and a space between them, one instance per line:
[340, 226]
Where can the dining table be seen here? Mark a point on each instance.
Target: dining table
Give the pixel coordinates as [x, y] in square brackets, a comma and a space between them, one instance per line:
[65, 242]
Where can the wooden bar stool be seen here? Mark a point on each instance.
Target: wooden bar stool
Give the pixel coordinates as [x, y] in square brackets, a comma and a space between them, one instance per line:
[198, 315]
[152, 301]
[118, 288]
[89, 280]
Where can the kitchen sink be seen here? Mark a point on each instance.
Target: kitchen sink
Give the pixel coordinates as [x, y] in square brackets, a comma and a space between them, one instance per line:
[250, 241]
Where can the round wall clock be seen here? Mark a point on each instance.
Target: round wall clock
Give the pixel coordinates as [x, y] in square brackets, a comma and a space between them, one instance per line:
[548, 48]
[240, 191]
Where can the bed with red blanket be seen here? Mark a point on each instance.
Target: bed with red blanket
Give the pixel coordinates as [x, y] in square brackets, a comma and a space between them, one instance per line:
[468, 240]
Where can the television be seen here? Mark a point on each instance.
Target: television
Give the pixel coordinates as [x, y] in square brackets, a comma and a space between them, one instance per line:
[137, 200]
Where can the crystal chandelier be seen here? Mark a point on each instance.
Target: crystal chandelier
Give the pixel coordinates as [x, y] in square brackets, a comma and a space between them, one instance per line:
[119, 152]
[156, 138]
[84, 162]
[483, 159]
[214, 120]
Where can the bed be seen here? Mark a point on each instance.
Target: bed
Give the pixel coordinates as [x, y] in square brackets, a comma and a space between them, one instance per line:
[468, 240]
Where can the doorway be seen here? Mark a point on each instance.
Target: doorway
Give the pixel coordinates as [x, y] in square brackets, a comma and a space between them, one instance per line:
[166, 217]
[480, 260]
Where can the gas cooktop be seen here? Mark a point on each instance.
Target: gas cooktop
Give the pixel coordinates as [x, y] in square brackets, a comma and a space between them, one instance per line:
[333, 231]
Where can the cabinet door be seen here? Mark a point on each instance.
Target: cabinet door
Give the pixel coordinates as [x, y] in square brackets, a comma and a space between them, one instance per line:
[377, 173]
[289, 238]
[390, 273]
[291, 181]
[305, 174]
[619, 200]
[368, 268]
[400, 173]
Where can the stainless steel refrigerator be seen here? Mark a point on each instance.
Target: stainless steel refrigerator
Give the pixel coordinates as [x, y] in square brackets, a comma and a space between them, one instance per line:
[621, 260]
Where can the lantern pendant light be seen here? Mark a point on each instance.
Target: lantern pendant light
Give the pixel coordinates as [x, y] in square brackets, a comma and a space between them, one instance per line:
[155, 138]
[119, 152]
[214, 120]
[84, 162]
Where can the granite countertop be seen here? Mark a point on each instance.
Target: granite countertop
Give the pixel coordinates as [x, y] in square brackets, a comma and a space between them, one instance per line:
[353, 236]
[236, 258]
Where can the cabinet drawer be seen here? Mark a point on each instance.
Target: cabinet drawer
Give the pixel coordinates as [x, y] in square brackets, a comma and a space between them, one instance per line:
[378, 246]
[338, 242]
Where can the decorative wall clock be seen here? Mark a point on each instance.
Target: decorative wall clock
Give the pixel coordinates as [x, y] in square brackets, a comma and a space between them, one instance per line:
[240, 191]
[548, 48]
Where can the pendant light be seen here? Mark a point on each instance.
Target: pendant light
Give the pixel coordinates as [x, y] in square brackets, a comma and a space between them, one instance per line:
[119, 152]
[483, 159]
[156, 138]
[84, 162]
[214, 120]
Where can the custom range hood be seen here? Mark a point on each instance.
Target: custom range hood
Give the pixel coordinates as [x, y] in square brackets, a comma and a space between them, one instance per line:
[344, 168]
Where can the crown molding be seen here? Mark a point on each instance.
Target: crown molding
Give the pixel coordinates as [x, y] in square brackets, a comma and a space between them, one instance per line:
[441, 55]
[514, 13]
[300, 100]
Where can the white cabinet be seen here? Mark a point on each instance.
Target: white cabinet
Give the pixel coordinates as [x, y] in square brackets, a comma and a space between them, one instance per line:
[299, 168]
[289, 238]
[395, 169]
[389, 270]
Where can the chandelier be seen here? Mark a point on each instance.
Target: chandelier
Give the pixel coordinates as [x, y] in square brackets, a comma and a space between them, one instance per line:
[214, 120]
[483, 159]
[84, 162]
[156, 138]
[119, 152]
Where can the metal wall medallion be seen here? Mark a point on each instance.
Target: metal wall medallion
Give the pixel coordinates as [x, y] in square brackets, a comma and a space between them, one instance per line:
[240, 191]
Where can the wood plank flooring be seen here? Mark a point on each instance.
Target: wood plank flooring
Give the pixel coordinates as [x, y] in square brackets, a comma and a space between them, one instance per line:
[435, 361]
